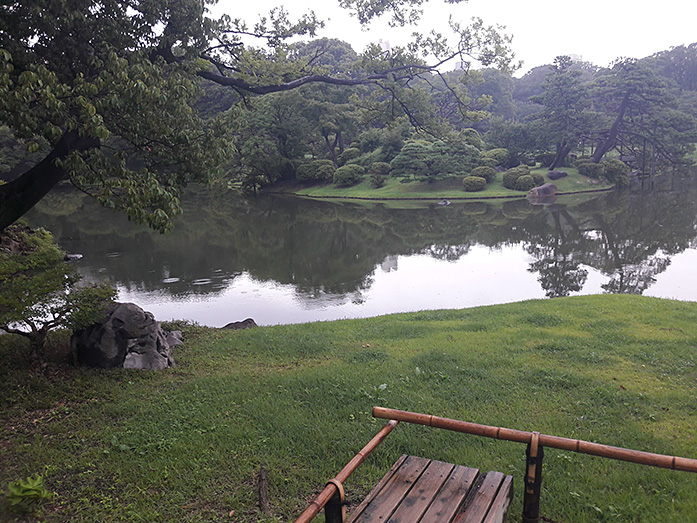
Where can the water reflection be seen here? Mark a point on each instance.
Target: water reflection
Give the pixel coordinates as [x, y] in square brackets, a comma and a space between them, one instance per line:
[300, 260]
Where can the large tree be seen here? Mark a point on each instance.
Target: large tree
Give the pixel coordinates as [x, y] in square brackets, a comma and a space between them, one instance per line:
[643, 119]
[108, 89]
[565, 117]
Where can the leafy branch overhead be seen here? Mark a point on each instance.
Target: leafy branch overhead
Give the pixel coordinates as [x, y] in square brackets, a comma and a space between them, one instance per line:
[108, 89]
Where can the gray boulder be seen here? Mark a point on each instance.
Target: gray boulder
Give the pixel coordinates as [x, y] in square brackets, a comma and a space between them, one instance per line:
[244, 324]
[556, 175]
[127, 337]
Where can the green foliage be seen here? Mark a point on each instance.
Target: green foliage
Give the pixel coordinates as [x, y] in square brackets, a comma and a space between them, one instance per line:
[39, 291]
[316, 170]
[473, 183]
[538, 178]
[349, 155]
[26, 495]
[500, 155]
[433, 161]
[348, 175]
[615, 168]
[377, 181]
[510, 177]
[592, 170]
[525, 183]
[379, 168]
[488, 173]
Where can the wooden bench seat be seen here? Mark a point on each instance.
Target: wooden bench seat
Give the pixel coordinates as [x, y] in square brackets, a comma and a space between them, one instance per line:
[428, 491]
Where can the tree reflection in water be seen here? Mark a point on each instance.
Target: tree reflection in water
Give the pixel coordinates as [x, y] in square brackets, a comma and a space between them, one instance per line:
[330, 251]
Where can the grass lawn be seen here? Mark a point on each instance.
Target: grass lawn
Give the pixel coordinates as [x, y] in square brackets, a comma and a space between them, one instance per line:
[187, 444]
[451, 189]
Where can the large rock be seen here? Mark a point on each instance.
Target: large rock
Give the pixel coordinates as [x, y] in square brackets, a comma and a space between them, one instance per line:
[244, 324]
[127, 337]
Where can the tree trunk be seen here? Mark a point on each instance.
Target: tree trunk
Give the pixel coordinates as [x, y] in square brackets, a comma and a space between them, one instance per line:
[332, 149]
[611, 138]
[20, 195]
[563, 149]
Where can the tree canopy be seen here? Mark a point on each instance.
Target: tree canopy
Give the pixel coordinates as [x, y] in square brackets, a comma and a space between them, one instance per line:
[107, 89]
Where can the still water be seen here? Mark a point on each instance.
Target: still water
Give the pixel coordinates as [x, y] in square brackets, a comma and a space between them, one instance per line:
[282, 259]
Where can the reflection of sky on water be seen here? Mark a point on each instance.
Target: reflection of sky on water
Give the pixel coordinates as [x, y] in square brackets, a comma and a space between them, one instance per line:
[409, 283]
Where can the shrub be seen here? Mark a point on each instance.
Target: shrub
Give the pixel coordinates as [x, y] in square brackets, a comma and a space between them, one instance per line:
[592, 170]
[473, 183]
[488, 173]
[348, 155]
[614, 169]
[525, 183]
[379, 168]
[348, 175]
[377, 181]
[539, 179]
[485, 161]
[511, 176]
[316, 170]
[40, 292]
[500, 155]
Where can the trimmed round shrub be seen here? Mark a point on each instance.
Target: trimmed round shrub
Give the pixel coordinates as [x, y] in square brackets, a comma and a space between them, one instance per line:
[473, 184]
[377, 181]
[614, 169]
[511, 176]
[539, 178]
[348, 155]
[580, 161]
[316, 170]
[488, 162]
[525, 183]
[348, 175]
[500, 155]
[592, 170]
[488, 173]
[379, 168]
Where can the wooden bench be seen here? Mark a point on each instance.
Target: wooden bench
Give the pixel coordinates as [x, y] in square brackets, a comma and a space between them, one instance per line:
[428, 491]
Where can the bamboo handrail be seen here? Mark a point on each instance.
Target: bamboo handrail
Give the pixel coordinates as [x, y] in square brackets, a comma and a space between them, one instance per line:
[321, 500]
[520, 436]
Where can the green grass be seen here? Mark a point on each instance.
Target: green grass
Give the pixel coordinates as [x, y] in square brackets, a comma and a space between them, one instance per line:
[452, 188]
[186, 444]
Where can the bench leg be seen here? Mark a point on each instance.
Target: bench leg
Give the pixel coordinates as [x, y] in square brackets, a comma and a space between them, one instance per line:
[335, 509]
[533, 480]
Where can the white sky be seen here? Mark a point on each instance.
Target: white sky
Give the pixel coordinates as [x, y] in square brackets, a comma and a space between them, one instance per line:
[597, 30]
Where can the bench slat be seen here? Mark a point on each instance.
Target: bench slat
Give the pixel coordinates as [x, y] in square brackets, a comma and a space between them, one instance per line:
[452, 494]
[383, 504]
[423, 492]
[477, 506]
[497, 512]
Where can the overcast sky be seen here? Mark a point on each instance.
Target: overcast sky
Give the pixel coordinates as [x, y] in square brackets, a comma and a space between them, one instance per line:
[597, 30]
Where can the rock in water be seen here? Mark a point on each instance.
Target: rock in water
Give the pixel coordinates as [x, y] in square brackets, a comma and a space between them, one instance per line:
[127, 337]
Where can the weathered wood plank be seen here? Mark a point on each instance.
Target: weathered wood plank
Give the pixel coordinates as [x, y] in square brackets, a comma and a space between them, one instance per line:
[499, 508]
[477, 505]
[394, 491]
[423, 492]
[451, 496]
[376, 489]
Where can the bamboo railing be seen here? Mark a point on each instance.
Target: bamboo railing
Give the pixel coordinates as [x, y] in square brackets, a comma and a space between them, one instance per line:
[575, 445]
[336, 485]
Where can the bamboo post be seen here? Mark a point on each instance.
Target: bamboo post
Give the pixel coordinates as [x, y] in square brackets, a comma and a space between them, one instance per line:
[533, 480]
[331, 489]
[520, 436]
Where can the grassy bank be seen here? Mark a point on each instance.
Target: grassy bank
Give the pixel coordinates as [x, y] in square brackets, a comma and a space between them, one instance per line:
[187, 444]
[451, 189]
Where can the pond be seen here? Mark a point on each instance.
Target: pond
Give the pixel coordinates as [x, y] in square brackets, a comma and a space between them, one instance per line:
[282, 259]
